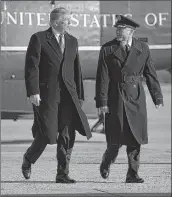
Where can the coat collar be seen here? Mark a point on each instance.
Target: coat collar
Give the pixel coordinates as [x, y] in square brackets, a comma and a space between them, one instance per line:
[49, 34]
[137, 45]
[119, 51]
[55, 45]
[67, 46]
[135, 51]
[51, 39]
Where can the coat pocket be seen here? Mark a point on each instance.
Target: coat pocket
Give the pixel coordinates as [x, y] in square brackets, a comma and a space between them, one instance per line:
[135, 91]
[132, 91]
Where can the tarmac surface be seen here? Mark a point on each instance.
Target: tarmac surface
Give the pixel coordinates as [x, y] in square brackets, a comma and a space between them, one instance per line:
[155, 164]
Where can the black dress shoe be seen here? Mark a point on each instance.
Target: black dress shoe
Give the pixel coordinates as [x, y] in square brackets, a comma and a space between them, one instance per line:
[104, 171]
[64, 179]
[26, 168]
[134, 180]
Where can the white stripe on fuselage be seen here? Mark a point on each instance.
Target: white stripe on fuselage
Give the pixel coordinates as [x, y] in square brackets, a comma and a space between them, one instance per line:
[81, 48]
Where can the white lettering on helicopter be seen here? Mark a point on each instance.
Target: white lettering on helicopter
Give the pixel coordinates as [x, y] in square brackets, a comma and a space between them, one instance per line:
[152, 19]
[81, 20]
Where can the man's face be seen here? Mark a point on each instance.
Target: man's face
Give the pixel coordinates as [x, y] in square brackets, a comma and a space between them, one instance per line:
[123, 33]
[61, 23]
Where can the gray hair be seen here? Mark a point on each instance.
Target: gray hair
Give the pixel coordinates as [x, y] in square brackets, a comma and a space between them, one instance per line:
[58, 12]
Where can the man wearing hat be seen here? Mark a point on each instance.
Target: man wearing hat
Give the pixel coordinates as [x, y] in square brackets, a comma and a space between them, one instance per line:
[123, 64]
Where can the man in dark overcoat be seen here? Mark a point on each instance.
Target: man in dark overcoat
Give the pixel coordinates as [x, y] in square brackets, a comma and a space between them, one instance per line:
[54, 86]
[123, 62]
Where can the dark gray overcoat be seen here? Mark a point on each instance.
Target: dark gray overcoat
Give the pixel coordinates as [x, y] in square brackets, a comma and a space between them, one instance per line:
[119, 86]
[42, 73]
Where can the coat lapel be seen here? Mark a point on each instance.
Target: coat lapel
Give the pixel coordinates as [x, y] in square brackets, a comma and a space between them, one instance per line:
[119, 51]
[135, 51]
[54, 44]
[67, 46]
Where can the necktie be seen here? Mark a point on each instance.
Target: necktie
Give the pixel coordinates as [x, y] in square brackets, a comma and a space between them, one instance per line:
[61, 42]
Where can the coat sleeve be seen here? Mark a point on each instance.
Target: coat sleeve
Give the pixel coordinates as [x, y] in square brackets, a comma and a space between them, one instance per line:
[102, 81]
[78, 76]
[32, 66]
[152, 80]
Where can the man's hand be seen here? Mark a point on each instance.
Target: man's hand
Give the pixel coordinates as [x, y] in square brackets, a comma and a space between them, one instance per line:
[35, 99]
[102, 110]
[158, 106]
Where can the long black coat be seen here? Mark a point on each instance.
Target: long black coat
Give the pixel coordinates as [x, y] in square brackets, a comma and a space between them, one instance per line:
[121, 95]
[42, 76]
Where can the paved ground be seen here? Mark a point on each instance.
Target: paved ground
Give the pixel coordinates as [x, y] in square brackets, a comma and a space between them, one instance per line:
[155, 168]
[155, 165]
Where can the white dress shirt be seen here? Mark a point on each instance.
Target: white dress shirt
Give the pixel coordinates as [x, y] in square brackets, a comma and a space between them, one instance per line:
[130, 43]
